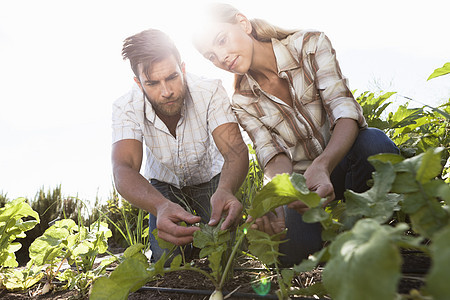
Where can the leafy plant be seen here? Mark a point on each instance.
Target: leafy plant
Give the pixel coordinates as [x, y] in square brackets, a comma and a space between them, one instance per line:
[129, 224]
[76, 244]
[12, 226]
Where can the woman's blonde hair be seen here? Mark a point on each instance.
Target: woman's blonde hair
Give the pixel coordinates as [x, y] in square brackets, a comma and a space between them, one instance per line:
[262, 30]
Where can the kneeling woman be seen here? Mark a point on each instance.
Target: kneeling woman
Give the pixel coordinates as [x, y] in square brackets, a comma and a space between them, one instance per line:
[294, 103]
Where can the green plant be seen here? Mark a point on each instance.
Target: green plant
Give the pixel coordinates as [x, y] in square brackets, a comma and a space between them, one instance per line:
[371, 249]
[129, 224]
[12, 226]
[76, 244]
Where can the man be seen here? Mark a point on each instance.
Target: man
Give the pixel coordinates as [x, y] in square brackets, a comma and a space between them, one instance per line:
[195, 152]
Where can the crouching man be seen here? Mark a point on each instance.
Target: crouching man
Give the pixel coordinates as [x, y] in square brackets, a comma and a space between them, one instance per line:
[196, 158]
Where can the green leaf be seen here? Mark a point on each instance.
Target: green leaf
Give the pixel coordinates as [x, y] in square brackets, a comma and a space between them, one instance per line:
[176, 262]
[282, 190]
[311, 199]
[429, 218]
[440, 71]
[106, 289]
[362, 254]
[437, 279]
[133, 249]
[49, 246]
[213, 243]
[430, 165]
[17, 209]
[128, 277]
[82, 248]
[264, 246]
[315, 214]
[163, 243]
[376, 202]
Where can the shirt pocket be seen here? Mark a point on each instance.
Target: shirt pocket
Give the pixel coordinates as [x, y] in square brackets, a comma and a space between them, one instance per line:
[272, 121]
[311, 103]
[309, 95]
[278, 126]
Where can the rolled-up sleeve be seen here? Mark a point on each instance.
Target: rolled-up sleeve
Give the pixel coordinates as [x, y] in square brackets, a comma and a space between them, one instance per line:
[124, 121]
[332, 85]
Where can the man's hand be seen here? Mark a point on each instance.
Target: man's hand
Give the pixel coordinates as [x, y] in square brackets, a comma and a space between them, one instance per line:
[224, 201]
[168, 217]
[271, 223]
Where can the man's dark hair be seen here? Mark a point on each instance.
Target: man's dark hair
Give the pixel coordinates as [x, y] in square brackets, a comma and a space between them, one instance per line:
[148, 47]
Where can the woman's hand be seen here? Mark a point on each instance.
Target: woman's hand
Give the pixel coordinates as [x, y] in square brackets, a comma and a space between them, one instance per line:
[271, 223]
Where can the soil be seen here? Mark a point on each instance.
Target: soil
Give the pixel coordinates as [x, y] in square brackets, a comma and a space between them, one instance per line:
[414, 269]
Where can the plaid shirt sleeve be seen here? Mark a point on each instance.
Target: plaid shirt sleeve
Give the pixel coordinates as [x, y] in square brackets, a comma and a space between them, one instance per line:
[219, 110]
[337, 98]
[268, 144]
[124, 119]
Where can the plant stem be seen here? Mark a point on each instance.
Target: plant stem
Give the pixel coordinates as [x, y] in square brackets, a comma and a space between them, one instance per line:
[230, 262]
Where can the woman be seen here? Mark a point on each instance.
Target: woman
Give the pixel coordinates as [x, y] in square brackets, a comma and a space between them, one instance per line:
[292, 100]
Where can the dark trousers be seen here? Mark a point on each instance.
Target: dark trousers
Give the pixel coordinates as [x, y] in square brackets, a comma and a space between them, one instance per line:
[195, 199]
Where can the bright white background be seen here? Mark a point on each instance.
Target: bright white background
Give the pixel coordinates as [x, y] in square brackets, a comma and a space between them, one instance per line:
[61, 68]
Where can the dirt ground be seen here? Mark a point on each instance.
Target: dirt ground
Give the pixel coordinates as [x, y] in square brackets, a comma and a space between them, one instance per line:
[240, 286]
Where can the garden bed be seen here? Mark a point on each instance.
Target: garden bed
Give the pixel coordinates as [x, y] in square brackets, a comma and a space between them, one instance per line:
[192, 285]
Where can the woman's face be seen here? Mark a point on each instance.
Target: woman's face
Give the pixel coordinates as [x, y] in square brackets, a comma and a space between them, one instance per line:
[228, 46]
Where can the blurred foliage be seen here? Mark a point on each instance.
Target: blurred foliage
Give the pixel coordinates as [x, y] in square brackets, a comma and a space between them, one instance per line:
[3, 199]
[413, 130]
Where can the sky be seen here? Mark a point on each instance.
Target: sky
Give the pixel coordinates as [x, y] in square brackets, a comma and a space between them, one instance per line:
[61, 69]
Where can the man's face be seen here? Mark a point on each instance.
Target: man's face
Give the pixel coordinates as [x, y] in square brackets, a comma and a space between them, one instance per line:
[165, 87]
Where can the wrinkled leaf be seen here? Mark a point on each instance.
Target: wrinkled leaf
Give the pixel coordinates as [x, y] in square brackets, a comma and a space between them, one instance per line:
[430, 165]
[363, 253]
[429, 219]
[376, 202]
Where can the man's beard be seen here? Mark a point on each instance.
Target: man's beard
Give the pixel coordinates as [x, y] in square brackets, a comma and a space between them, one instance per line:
[162, 109]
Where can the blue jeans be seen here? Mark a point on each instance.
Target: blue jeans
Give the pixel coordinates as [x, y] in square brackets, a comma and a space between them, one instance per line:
[196, 198]
[352, 173]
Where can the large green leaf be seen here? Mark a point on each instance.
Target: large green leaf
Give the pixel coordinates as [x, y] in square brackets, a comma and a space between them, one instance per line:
[276, 193]
[440, 71]
[213, 243]
[17, 209]
[429, 219]
[49, 246]
[360, 255]
[376, 202]
[283, 189]
[129, 276]
[437, 279]
[430, 165]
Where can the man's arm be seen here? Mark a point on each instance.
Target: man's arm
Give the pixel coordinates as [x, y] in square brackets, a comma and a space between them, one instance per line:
[229, 141]
[126, 162]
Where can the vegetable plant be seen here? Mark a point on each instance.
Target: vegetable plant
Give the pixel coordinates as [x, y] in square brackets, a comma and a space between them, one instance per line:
[12, 226]
[78, 245]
